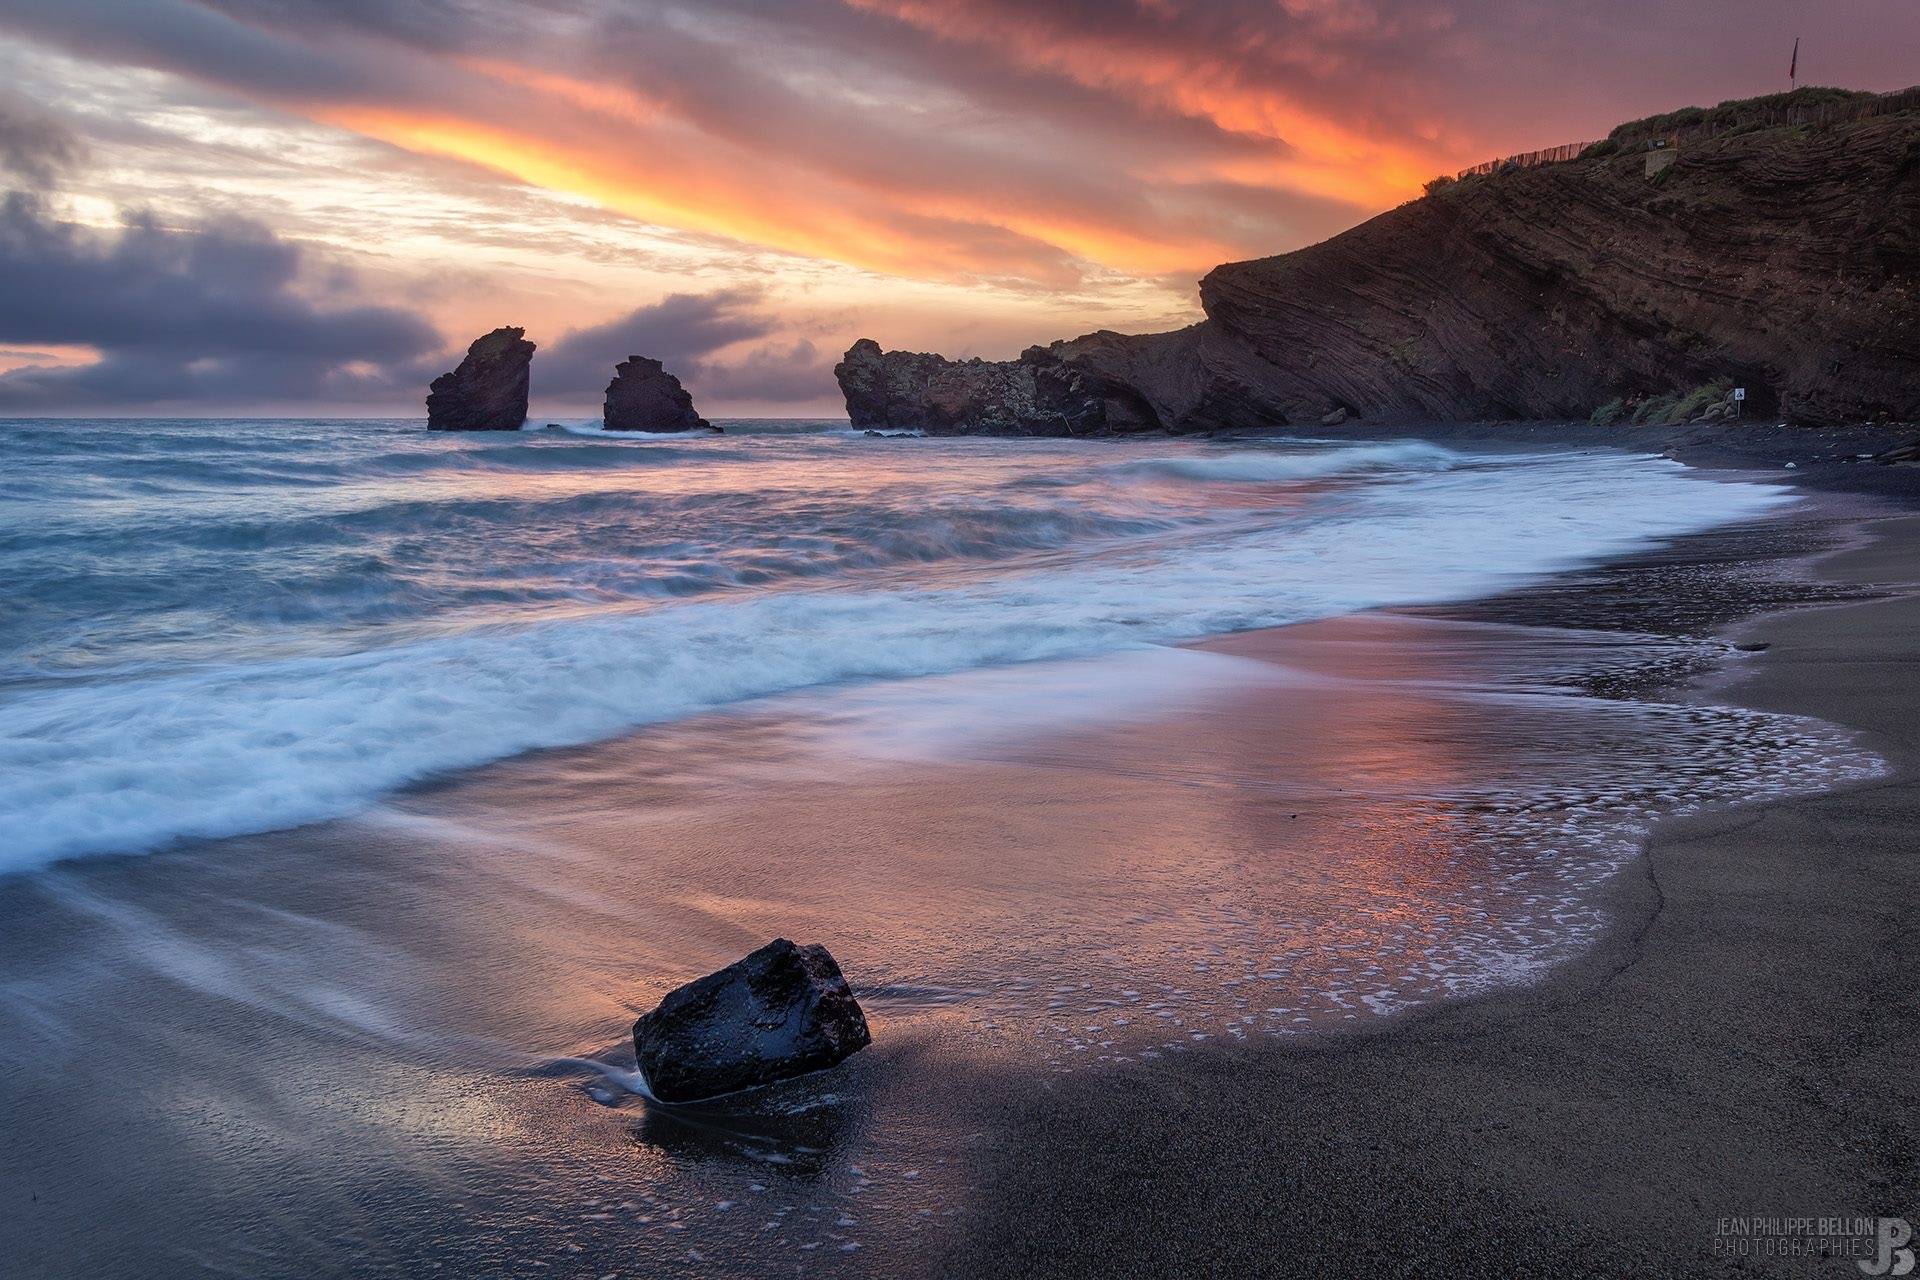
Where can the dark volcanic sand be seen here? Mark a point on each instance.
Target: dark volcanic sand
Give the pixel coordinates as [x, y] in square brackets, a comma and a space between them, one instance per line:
[1836, 459]
[1742, 1043]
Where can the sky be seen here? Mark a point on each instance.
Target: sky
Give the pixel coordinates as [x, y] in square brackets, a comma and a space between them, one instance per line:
[310, 207]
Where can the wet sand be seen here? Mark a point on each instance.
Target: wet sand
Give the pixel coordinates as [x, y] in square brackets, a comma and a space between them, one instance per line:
[1741, 1043]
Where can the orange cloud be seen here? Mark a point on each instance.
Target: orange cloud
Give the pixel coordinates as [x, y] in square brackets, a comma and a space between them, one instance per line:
[1323, 157]
[669, 175]
[663, 193]
[613, 101]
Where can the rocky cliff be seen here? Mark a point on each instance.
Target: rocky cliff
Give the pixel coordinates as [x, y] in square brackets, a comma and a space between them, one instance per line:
[1785, 259]
[488, 392]
[643, 396]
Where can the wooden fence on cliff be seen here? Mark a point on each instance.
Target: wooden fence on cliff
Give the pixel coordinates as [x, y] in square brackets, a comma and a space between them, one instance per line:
[1741, 121]
[1529, 159]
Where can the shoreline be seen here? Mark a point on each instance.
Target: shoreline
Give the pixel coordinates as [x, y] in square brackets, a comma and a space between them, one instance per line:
[1729, 1047]
[1824, 459]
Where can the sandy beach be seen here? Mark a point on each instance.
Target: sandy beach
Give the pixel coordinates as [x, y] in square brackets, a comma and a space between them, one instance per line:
[1738, 1045]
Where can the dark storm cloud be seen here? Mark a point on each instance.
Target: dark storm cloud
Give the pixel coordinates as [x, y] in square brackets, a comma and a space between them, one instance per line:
[220, 311]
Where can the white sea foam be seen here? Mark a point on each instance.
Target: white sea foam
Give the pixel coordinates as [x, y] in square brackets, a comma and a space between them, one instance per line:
[598, 431]
[939, 717]
[135, 761]
[1268, 467]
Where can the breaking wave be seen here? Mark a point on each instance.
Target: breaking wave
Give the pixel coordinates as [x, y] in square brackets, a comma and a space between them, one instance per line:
[1270, 467]
[267, 653]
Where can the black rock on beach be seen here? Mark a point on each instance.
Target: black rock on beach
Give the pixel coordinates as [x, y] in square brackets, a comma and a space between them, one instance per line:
[643, 396]
[783, 1011]
[488, 392]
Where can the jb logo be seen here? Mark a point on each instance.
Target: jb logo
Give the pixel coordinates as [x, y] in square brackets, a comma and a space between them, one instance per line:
[1895, 1258]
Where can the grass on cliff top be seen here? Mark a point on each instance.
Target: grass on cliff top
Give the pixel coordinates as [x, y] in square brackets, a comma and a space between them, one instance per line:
[1736, 113]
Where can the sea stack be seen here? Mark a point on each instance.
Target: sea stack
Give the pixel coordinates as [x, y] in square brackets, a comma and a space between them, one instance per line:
[488, 392]
[643, 396]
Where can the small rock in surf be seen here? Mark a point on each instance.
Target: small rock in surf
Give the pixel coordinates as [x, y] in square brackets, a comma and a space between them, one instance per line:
[783, 1011]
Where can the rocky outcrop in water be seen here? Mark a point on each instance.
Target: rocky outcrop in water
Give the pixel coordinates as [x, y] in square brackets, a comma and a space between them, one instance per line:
[488, 392]
[1105, 383]
[1785, 260]
[1037, 395]
[783, 1011]
[643, 396]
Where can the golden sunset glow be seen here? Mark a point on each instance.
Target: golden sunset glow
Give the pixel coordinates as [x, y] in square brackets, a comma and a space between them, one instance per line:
[675, 198]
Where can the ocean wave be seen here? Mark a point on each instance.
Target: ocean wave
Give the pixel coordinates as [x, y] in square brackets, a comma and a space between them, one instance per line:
[1273, 465]
[718, 530]
[192, 586]
[606, 450]
[134, 763]
[232, 469]
[596, 431]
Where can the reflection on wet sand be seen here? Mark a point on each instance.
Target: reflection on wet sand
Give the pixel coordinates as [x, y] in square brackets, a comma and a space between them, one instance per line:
[392, 1020]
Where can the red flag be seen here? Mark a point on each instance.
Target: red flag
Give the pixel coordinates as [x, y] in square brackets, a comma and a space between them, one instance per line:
[1793, 68]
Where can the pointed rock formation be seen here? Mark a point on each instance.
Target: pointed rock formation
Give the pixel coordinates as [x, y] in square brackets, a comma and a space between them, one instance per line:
[488, 392]
[645, 397]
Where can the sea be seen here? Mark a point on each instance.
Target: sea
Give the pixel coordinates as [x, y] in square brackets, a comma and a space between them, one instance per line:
[220, 627]
[359, 784]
